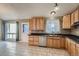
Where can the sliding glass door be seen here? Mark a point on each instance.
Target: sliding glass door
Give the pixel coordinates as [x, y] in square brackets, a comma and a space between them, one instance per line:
[10, 31]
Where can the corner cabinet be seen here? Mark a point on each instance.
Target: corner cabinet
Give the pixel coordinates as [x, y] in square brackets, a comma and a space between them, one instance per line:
[37, 23]
[72, 47]
[66, 22]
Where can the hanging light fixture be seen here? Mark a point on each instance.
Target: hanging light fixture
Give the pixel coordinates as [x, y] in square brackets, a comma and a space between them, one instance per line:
[53, 12]
[56, 7]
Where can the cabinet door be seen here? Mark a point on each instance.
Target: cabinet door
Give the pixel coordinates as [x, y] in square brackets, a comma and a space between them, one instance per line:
[77, 49]
[31, 40]
[36, 40]
[30, 25]
[49, 42]
[42, 23]
[69, 46]
[66, 22]
[72, 18]
[57, 43]
[66, 45]
[62, 42]
[73, 48]
[37, 24]
[76, 16]
[34, 24]
[63, 23]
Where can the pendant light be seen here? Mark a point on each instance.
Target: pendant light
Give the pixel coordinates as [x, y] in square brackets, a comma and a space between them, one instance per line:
[53, 12]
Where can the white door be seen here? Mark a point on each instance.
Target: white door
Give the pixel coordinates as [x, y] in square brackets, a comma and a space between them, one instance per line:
[24, 32]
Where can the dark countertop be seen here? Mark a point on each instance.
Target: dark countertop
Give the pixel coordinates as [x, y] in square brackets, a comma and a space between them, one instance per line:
[47, 34]
[73, 37]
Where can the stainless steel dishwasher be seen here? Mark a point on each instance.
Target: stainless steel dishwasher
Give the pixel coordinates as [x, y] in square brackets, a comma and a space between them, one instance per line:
[42, 40]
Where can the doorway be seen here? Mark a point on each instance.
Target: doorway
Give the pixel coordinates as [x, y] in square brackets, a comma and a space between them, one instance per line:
[10, 31]
[24, 31]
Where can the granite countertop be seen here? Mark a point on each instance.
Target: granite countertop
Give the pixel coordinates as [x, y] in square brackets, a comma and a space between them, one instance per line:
[73, 37]
[48, 34]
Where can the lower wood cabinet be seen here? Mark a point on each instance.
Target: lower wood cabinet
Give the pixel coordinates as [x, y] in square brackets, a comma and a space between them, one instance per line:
[73, 48]
[62, 42]
[55, 42]
[34, 40]
[77, 49]
[66, 46]
[50, 42]
[69, 45]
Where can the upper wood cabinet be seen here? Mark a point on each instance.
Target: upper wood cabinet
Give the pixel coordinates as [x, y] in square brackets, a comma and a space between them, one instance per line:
[72, 18]
[76, 15]
[66, 22]
[37, 23]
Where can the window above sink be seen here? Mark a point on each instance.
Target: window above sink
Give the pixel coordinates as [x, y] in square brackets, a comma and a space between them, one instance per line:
[53, 26]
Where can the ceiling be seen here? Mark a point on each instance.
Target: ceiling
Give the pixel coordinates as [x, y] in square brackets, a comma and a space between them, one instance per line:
[13, 11]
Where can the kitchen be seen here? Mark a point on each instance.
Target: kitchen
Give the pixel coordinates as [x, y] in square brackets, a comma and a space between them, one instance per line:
[45, 29]
[51, 36]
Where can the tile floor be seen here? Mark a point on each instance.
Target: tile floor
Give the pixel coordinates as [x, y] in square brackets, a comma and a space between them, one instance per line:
[22, 49]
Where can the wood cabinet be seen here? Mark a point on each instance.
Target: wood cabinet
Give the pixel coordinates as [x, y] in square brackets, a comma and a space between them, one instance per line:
[50, 42]
[68, 45]
[31, 40]
[73, 48]
[72, 18]
[77, 49]
[37, 23]
[55, 42]
[62, 42]
[34, 40]
[76, 15]
[66, 22]
[30, 25]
